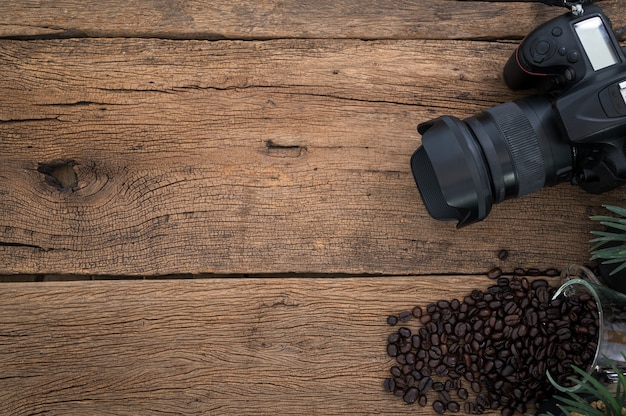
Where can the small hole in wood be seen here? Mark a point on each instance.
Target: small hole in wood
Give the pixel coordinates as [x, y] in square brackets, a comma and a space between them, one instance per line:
[60, 175]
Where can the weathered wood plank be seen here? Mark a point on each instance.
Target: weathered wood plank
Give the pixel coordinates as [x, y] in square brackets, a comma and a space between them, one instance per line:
[272, 19]
[251, 157]
[216, 346]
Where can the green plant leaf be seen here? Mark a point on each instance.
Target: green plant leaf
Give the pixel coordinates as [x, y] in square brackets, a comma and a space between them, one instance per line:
[617, 225]
[616, 210]
[612, 236]
[614, 250]
[618, 269]
[607, 218]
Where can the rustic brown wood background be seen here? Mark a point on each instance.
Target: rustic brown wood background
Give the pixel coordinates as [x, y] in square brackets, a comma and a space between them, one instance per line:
[262, 146]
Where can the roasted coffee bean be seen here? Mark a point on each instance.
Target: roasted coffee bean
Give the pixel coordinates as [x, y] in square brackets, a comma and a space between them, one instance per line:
[453, 407]
[423, 400]
[425, 385]
[410, 358]
[411, 395]
[510, 308]
[507, 371]
[404, 332]
[536, 284]
[476, 387]
[401, 359]
[392, 320]
[443, 304]
[389, 385]
[450, 361]
[543, 295]
[482, 400]
[552, 272]
[444, 397]
[503, 254]
[462, 393]
[460, 329]
[511, 320]
[494, 273]
[435, 352]
[484, 313]
[405, 316]
[400, 383]
[532, 318]
[507, 411]
[392, 350]
[416, 341]
[515, 284]
[393, 338]
[518, 271]
[442, 370]
[495, 304]
[564, 334]
[439, 407]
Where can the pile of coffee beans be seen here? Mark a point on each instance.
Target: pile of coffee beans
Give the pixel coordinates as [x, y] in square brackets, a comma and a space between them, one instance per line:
[491, 350]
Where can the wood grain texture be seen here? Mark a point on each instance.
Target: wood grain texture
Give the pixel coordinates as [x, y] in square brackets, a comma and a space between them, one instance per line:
[272, 19]
[198, 347]
[251, 157]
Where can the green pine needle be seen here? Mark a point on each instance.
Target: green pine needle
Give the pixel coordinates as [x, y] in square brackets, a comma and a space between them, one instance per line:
[616, 252]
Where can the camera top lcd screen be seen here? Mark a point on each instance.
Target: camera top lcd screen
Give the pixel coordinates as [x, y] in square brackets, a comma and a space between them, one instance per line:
[596, 42]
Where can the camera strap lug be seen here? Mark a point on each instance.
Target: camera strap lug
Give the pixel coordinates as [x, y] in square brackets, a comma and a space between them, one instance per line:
[576, 7]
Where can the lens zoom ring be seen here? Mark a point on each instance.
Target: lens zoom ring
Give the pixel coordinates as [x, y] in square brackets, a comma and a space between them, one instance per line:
[523, 144]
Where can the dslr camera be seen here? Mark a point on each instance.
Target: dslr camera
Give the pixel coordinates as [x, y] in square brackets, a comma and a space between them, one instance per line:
[573, 130]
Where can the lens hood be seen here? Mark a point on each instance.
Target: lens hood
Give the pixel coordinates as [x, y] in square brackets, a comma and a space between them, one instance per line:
[450, 171]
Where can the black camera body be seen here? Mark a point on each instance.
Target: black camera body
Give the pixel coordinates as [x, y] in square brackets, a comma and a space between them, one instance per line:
[574, 130]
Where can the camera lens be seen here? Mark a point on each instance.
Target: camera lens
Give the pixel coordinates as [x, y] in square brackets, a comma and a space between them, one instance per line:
[464, 167]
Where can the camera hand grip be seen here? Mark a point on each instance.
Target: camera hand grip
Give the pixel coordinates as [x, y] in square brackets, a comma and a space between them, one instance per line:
[515, 77]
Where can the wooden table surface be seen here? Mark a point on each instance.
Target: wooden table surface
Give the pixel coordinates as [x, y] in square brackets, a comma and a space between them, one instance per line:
[207, 207]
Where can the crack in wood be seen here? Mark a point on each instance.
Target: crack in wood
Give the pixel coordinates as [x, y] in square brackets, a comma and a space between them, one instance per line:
[280, 150]
[73, 104]
[15, 244]
[29, 120]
